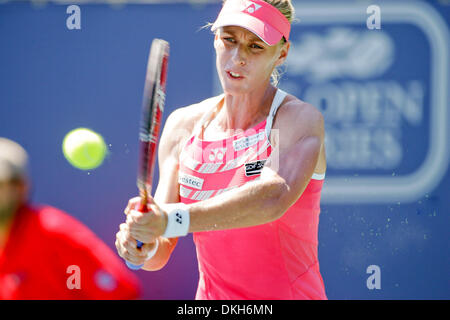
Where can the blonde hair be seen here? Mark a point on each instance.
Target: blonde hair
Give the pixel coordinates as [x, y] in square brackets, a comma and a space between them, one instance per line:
[287, 9]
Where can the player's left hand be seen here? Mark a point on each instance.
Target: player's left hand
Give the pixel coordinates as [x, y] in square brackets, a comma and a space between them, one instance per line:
[145, 226]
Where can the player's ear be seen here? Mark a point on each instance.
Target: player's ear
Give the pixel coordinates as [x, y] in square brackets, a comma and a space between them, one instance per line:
[282, 56]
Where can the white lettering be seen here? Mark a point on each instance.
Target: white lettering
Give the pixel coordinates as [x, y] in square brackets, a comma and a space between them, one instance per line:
[248, 141]
[74, 281]
[374, 281]
[364, 120]
[374, 20]
[204, 311]
[74, 20]
[191, 181]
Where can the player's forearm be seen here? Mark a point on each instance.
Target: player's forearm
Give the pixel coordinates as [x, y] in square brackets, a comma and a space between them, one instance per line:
[253, 204]
[162, 255]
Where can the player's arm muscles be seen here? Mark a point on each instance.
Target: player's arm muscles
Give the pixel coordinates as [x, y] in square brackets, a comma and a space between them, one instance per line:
[261, 201]
[174, 134]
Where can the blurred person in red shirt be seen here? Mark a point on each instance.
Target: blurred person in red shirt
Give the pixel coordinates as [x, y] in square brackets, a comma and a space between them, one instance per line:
[47, 254]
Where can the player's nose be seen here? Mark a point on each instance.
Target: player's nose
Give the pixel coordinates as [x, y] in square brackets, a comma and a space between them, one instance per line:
[239, 56]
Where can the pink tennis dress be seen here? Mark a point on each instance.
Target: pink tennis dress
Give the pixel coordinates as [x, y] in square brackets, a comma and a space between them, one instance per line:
[277, 260]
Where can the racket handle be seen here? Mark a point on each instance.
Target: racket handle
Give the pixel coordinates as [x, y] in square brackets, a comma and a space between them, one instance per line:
[133, 266]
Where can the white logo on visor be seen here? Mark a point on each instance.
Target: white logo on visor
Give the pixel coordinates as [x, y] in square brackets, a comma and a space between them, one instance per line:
[253, 8]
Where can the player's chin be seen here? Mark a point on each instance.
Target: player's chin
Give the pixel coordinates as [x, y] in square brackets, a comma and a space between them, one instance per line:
[235, 88]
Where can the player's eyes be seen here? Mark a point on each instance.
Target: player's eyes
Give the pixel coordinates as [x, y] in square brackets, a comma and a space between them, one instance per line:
[229, 39]
[255, 46]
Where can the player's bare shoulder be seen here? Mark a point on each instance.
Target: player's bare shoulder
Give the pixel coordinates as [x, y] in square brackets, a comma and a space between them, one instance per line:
[296, 119]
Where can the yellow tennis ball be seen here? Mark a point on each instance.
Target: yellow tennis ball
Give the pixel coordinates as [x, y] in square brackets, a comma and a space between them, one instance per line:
[84, 148]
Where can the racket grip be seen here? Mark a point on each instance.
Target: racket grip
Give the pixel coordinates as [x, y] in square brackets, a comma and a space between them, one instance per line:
[133, 266]
[143, 208]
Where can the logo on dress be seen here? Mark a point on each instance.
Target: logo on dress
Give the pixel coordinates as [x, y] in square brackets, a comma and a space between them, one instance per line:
[191, 181]
[249, 141]
[254, 168]
[217, 154]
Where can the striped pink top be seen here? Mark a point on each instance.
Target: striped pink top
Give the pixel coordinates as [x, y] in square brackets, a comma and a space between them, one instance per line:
[277, 260]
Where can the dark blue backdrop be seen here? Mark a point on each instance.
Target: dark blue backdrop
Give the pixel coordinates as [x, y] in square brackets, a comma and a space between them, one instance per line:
[53, 79]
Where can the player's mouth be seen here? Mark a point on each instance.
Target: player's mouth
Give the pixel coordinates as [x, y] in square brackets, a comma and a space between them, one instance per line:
[234, 75]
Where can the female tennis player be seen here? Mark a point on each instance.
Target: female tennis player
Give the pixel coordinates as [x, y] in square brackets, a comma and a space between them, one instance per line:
[247, 179]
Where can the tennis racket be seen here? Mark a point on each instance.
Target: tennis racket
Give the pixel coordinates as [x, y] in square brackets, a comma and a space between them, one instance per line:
[152, 111]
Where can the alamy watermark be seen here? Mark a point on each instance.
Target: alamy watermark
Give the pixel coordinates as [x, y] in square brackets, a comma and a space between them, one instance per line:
[374, 280]
[374, 20]
[74, 280]
[73, 22]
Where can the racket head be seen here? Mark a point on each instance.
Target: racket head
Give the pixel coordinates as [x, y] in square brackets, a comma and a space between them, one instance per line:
[152, 111]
